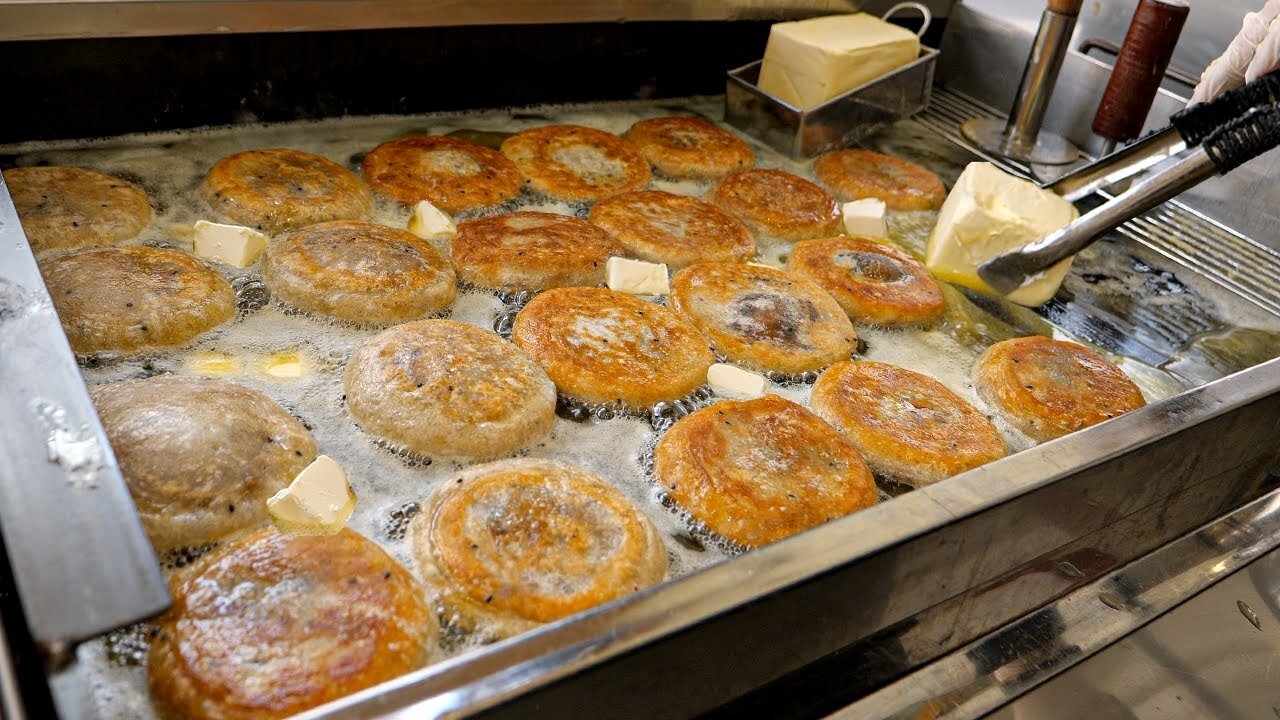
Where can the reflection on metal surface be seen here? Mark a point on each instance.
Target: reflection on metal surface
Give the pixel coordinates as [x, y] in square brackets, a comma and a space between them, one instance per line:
[1003, 665]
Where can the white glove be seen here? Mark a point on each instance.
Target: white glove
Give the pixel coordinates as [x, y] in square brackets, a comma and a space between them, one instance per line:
[1252, 54]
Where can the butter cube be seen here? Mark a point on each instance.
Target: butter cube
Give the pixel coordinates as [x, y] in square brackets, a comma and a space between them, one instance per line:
[988, 213]
[865, 217]
[636, 277]
[431, 223]
[734, 383]
[230, 244]
[318, 502]
[808, 62]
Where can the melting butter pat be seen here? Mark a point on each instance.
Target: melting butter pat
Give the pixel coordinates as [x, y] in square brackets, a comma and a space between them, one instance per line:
[865, 217]
[636, 277]
[431, 223]
[214, 363]
[734, 383]
[230, 244]
[808, 62]
[318, 502]
[988, 213]
[284, 365]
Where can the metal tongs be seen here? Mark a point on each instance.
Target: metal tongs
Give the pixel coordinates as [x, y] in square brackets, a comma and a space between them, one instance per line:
[1209, 139]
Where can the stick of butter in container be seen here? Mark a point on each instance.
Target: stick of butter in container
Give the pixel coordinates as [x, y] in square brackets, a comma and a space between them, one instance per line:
[808, 62]
[990, 212]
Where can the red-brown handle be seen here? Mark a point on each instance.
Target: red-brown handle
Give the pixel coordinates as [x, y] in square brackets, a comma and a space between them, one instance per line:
[1145, 55]
[1066, 7]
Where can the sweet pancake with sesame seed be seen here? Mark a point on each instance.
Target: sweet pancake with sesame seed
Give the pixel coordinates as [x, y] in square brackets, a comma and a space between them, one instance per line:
[70, 208]
[531, 251]
[358, 272]
[777, 205]
[271, 624]
[689, 148]
[911, 428]
[511, 545]
[133, 300]
[1049, 388]
[758, 471]
[200, 456]
[452, 174]
[763, 318]
[278, 189]
[444, 388]
[575, 163]
[604, 347]
[674, 229]
[874, 282]
[901, 184]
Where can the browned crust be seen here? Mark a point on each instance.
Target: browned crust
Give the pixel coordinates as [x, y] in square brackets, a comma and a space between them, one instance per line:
[531, 251]
[901, 184]
[278, 189]
[910, 427]
[272, 624]
[513, 544]
[445, 388]
[454, 175]
[763, 318]
[70, 208]
[689, 148]
[758, 471]
[875, 283]
[1049, 388]
[777, 205]
[358, 272]
[605, 347]
[576, 163]
[190, 492]
[674, 229]
[131, 300]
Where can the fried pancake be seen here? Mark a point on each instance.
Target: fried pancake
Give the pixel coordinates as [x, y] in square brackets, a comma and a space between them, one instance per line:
[758, 471]
[909, 427]
[875, 283]
[777, 205]
[762, 318]
[575, 163]
[454, 175]
[600, 346]
[444, 388]
[513, 544]
[279, 189]
[1049, 388]
[133, 300]
[358, 272]
[272, 624]
[200, 456]
[70, 208]
[678, 230]
[531, 251]
[901, 184]
[689, 148]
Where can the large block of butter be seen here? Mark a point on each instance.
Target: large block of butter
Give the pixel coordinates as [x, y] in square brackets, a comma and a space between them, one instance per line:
[990, 212]
[808, 62]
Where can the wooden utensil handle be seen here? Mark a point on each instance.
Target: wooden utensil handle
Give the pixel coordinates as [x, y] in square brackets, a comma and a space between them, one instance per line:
[1140, 67]
[1066, 7]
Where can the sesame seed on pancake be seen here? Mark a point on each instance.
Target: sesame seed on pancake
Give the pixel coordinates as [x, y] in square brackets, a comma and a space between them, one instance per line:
[911, 428]
[901, 184]
[513, 544]
[530, 250]
[605, 347]
[1049, 388]
[358, 272]
[576, 163]
[763, 318]
[278, 189]
[874, 282]
[757, 471]
[674, 229]
[452, 174]
[70, 208]
[689, 148]
[777, 205]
